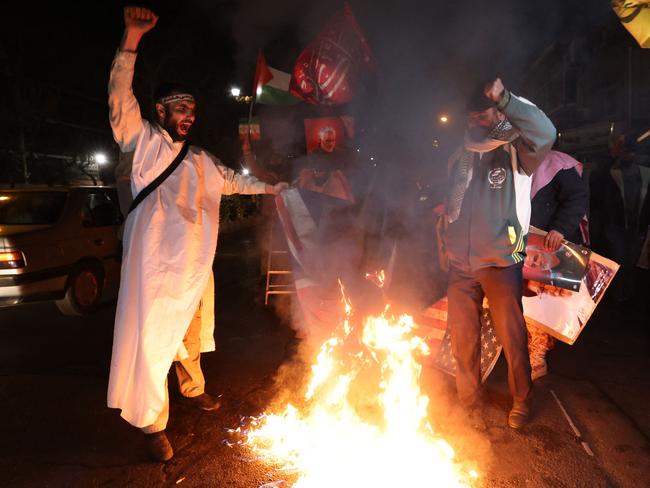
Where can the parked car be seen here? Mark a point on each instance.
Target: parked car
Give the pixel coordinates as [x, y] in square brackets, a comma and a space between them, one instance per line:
[60, 244]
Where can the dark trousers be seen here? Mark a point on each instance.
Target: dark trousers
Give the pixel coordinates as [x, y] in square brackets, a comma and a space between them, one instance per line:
[502, 287]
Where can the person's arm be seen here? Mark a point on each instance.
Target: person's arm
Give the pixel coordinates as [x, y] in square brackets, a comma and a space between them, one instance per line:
[246, 184]
[536, 132]
[253, 166]
[573, 204]
[124, 111]
[123, 181]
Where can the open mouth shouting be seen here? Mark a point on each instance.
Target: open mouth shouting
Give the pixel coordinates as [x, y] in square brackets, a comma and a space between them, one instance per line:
[184, 127]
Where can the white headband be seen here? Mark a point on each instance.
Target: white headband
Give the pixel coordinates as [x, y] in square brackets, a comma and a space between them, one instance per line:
[177, 97]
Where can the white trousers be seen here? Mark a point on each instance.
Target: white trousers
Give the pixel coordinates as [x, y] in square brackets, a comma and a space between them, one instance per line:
[191, 382]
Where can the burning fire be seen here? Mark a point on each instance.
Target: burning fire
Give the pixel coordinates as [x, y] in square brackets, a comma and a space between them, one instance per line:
[364, 420]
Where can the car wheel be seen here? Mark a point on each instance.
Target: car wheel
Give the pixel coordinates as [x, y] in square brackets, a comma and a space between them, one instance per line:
[83, 291]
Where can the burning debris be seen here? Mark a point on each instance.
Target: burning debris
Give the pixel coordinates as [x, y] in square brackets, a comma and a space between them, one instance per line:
[363, 418]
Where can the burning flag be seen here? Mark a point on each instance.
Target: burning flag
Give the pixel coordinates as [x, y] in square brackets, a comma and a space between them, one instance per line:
[432, 323]
[362, 421]
[328, 70]
[320, 234]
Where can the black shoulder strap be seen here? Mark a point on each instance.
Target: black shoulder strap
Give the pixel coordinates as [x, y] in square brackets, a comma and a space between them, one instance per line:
[161, 177]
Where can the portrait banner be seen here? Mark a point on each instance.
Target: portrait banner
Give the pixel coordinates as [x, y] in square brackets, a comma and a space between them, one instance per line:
[564, 268]
[563, 311]
[340, 130]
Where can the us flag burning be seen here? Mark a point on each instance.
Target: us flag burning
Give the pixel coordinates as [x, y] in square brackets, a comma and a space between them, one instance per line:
[362, 419]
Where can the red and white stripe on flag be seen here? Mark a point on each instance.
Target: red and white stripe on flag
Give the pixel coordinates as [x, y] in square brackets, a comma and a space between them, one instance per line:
[432, 324]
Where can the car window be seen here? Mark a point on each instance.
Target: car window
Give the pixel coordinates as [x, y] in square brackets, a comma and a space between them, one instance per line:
[101, 209]
[31, 207]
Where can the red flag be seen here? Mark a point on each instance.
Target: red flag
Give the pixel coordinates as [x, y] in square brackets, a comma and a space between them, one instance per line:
[328, 70]
[262, 73]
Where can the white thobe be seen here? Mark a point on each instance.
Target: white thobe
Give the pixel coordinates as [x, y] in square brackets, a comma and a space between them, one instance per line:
[169, 245]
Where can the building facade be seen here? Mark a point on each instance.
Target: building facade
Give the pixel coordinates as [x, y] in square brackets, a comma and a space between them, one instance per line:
[590, 86]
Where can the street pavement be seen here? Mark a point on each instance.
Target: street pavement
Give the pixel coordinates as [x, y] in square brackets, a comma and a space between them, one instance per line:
[56, 430]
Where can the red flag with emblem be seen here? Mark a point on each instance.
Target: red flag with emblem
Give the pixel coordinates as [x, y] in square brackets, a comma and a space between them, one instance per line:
[328, 71]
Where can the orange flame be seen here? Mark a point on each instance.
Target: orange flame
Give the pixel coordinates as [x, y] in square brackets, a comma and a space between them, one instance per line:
[365, 420]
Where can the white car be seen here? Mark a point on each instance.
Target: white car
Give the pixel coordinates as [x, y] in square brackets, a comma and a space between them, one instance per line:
[60, 244]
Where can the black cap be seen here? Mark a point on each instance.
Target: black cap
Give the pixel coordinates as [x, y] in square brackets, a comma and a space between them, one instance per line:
[477, 101]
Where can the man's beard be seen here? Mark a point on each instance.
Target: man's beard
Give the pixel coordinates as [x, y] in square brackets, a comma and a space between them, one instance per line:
[172, 129]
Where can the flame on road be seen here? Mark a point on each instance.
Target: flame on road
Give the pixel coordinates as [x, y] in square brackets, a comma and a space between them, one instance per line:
[363, 419]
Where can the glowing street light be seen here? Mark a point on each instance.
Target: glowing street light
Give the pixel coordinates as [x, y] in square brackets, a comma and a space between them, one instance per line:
[444, 119]
[100, 158]
[235, 92]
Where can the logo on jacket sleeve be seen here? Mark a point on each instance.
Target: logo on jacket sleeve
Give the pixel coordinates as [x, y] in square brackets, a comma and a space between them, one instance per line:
[496, 177]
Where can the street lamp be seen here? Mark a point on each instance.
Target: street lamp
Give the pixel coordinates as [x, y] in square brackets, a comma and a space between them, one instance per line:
[235, 92]
[444, 119]
[100, 158]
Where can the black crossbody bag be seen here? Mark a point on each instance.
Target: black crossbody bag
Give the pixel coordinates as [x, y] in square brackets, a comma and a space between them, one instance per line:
[161, 177]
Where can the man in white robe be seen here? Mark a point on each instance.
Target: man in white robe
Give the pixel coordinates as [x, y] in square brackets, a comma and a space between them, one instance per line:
[169, 244]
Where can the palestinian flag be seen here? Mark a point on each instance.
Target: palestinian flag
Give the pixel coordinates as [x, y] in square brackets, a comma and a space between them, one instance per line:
[271, 86]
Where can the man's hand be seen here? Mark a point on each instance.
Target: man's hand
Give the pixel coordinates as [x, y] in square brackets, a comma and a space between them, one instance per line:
[277, 188]
[139, 19]
[494, 91]
[137, 22]
[553, 240]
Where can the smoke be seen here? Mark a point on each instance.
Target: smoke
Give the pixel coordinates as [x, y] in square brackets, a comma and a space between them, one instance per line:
[430, 56]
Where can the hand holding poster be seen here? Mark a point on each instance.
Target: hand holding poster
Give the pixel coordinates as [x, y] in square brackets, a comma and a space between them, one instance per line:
[564, 268]
[560, 310]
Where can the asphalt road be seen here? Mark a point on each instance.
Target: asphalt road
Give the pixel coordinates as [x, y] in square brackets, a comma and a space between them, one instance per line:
[56, 430]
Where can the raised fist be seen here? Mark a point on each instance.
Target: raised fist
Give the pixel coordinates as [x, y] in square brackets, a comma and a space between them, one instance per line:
[494, 91]
[139, 19]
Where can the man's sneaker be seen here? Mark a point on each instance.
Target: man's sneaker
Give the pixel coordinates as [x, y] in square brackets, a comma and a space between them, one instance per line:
[203, 401]
[519, 415]
[158, 447]
[538, 369]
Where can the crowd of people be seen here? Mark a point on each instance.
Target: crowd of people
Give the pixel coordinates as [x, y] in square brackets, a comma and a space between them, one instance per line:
[503, 178]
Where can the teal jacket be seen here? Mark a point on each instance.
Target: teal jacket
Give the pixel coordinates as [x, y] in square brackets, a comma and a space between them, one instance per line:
[494, 217]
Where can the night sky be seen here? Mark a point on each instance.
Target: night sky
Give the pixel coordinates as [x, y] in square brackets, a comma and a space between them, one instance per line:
[428, 53]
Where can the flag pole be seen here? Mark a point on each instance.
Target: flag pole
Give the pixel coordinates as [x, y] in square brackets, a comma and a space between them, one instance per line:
[250, 113]
[250, 110]
[254, 94]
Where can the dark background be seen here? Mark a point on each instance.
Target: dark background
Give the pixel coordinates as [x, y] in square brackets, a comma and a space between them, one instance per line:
[55, 58]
